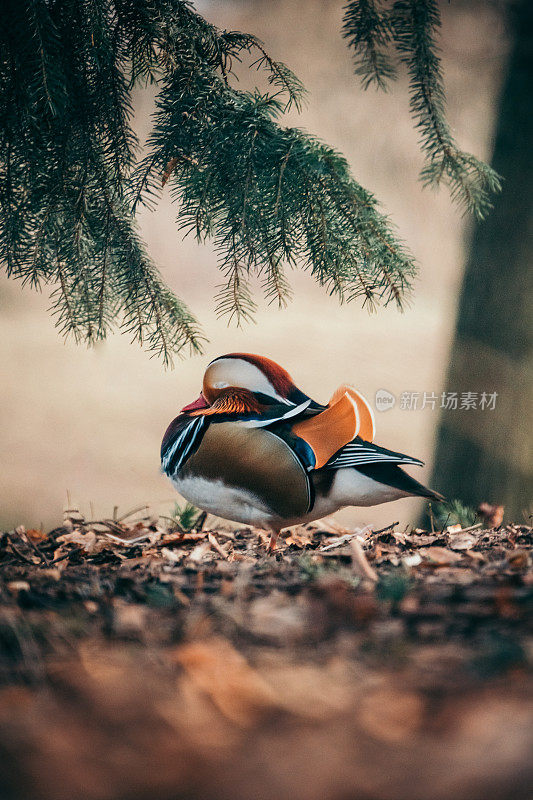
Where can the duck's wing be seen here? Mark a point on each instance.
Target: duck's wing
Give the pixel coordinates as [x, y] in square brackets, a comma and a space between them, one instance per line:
[256, 461]
[359, 453]
[184, 435]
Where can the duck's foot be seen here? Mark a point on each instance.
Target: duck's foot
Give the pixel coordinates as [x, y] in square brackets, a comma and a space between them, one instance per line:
[272, 543]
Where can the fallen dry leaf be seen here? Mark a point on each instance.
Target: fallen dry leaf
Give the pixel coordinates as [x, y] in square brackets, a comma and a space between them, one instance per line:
[129, 619]
[454, 528]
[299, 537]
[519, 559]
[463, 541]
[36, 536]
[88, 541]
[439, 556]
[412, 560]
[493, 515]
[475, 556]
[199, 552]
[277, 618]
[222, 673]
[338, 542]
[18, 586]
[391, 715]
[171, 555]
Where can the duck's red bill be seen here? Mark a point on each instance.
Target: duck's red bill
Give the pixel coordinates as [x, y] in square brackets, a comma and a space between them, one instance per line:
[201, 402]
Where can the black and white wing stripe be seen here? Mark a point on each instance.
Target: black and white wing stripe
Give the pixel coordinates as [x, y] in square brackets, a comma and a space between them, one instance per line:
[182, 442]
[358, 453]
[276, 413]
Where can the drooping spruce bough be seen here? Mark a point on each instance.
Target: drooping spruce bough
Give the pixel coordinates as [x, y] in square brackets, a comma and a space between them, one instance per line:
[269, 196]
[377, 32]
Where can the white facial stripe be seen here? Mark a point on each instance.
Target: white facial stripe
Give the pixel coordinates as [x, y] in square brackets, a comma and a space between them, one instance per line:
[242, 374]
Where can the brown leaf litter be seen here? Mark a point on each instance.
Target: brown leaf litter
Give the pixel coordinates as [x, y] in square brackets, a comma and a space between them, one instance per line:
[141, 661]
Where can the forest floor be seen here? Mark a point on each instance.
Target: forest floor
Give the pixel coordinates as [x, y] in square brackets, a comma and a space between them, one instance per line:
[139, 661]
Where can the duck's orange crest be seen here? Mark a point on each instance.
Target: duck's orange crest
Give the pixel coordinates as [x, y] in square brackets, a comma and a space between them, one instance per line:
[232, 401]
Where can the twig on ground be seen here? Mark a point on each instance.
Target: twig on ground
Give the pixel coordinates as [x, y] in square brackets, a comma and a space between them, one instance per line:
[34, 547]
[431, 518]
[388, 528]
[17, 551]
[471, 528]
[200, 522]
[215, 544]
[107, 523]
[132, 512]
[347, 537]
[67, 555]
[360, 563]
[445, 524]
[338, 542]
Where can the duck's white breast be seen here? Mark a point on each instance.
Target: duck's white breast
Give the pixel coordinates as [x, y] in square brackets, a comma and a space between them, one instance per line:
[349, 488]
[228, 502]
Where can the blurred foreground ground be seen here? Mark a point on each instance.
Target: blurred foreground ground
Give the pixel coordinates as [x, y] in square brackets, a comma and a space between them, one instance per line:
[141, 662]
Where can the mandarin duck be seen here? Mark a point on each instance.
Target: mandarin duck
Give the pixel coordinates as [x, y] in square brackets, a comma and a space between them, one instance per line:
[255, 449]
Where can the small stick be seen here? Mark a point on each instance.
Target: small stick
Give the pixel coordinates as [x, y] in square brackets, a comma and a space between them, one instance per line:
[107, 523]
[36, 549]
[347, 537]
[360, 562]
[471, 528]
[431, 518]
[388, 528]
[445, 524]
[216, 546]
[132, 512]
[66, 555]
[200, 522]
[17, 551]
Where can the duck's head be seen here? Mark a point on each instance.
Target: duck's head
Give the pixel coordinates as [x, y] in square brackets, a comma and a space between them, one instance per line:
[256, 374]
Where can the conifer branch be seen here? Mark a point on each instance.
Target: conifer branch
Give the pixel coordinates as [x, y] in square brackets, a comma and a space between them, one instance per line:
[366, 26]
[412, 27]
[234, 297]
[275, 285]
[268, 196]
[415, 24]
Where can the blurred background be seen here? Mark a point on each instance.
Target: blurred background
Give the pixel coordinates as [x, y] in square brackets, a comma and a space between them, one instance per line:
[84, 426]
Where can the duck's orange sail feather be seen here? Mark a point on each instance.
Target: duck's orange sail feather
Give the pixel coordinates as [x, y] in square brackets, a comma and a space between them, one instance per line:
[348, 415]
[367, 424]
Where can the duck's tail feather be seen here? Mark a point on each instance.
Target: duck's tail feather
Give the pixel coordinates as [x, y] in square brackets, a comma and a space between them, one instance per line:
[393, 475]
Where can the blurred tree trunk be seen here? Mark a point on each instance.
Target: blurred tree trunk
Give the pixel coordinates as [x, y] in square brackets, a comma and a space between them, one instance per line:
[482, 454]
